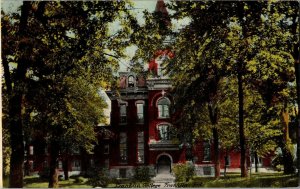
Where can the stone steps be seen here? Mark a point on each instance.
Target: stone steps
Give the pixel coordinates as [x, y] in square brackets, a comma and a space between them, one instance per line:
[164, 180]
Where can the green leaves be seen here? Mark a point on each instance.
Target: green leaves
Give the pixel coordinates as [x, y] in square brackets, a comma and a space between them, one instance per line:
[222, 39]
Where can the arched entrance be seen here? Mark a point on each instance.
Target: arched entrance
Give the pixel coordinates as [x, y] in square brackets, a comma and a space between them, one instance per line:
[163, 164]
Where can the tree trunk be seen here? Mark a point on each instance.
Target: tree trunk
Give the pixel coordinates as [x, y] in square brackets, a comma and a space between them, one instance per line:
[243, 165]
[213, 114]
[15, 108]
[256, 162]
[296, 55]
[16, 142]
[66, 168]
[217, 154]
[288, 166]
[287, 157]
[54, 153]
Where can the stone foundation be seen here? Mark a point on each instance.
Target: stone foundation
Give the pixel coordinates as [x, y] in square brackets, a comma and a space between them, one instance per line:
[205, 170]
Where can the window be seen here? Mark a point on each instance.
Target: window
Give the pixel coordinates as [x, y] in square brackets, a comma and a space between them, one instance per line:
[76, 165]
[123, 148]
[140, 112]
[163, 105]
[92, 162]
[60, 165]
[164, 132]
[123, 113]
[140, 150]
[106, 149]
[206, 151]
[131, 81]
[207, 170]
[30, 150]
[31, 165]
[227, 160]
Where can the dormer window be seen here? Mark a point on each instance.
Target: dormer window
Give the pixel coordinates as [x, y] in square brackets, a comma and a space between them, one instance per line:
[163, 105]
[131, 81]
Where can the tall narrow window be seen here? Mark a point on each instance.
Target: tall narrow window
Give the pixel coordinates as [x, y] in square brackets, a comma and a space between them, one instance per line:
[92, 162]
[164, 132]
[30, 150]
[163, 105]
[140, 112]
[206, 151]
[106, 149]
[140, 150]
[123, 148]
[60, 164]
[123, 113]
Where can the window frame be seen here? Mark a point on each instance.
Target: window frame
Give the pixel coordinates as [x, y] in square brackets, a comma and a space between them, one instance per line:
[170, 133]
[131, 81]
[123, 115]
[142, 104]
[106, 149]
[207, 149]
[140, 147]
[123, 148]
[74, 167]
[163, 110]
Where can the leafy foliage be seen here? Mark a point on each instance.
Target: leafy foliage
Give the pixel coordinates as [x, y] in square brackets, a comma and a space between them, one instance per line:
[142, 173]
[183, 172]
[99, 178]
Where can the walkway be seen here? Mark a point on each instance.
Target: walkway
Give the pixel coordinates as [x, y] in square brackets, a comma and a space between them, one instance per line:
[164, 179]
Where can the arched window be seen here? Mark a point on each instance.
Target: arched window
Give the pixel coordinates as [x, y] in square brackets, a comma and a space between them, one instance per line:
[131, 81]
[163, 105]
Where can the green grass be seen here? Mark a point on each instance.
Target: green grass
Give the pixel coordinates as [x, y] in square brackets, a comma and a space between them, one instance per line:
[255, 180]
[36, 182]
[232, 180]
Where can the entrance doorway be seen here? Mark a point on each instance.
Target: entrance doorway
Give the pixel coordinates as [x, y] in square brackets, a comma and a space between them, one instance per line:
[164, 164]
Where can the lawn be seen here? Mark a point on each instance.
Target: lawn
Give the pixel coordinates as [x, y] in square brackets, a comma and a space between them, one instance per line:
[255, 180]
[232, 180]
[37, 182]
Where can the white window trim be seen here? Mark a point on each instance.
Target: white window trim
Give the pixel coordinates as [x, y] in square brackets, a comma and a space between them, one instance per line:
[140, 102]
[156, 104]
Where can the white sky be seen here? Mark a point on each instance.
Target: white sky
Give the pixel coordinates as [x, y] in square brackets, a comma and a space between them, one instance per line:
[139, 5]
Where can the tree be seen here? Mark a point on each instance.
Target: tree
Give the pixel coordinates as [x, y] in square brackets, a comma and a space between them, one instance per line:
[15, 91]
[59, 63]
[243, 31]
